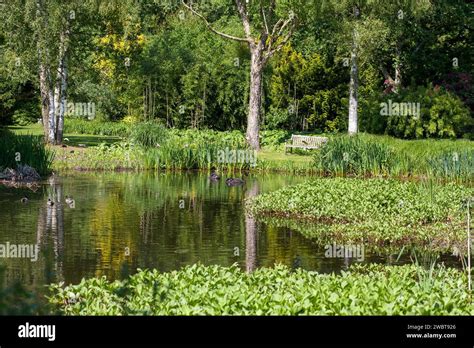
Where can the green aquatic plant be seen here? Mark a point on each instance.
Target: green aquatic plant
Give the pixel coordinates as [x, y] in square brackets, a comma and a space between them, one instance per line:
[148, 134]
[374, 211]
[216, 290]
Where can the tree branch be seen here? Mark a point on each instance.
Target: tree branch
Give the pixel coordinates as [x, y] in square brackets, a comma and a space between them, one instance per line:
[265, 20]
[245, 19]
[289, 20]
[209, 26]
[279, 26]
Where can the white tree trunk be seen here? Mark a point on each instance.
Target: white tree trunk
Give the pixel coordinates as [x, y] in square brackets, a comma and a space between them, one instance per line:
[253, 119]
[44, 92]
[62, 105]
[353, 89]
[44, 73]
[51, 118]
[57, 97]
[398, 71]
[62, 84]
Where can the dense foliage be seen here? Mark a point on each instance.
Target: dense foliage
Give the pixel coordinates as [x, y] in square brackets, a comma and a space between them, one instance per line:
[216, 290]
[441, 114]
[375, 211]
[150, 60]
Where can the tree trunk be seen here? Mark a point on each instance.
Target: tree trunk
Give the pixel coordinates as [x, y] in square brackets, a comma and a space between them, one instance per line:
[353, 89]
[44, 92]
[51, 118]
[62, 108]
[61, 85]
[398, 71]
[253, 120]
[44, 73]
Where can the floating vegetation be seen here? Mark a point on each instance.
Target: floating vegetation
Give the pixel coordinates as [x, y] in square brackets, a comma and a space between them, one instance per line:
[376, 212]
[217, 290]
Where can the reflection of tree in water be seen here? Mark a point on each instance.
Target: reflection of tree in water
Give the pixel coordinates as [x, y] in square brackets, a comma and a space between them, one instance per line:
[251, 232]
[51, 226]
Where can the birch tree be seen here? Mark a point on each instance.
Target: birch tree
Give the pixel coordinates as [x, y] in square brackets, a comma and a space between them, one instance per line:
[371, 31]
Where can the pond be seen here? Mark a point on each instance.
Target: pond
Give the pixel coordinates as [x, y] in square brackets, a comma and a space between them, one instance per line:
[119, 222]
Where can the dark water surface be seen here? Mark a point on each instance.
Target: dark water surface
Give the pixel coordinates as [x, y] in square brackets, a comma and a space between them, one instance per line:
[123, 221]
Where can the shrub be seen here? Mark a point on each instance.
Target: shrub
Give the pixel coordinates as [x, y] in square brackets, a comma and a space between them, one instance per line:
[148, 134]
[274, 138]
[442, 114]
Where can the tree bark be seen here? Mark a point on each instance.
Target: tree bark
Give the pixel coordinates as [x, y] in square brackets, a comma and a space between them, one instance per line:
[52, 99]
[51, 118]
[62, 107]
[43, 71]
[353, 89]
[61, 85]
[253, 118]
[398, 70]
[44, 92]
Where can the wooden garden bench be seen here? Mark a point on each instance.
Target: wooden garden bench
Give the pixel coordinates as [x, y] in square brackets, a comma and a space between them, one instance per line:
[305, 142]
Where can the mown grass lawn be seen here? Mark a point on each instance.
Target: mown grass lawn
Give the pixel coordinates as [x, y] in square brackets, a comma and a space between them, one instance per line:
[71, 139]
[399, 158]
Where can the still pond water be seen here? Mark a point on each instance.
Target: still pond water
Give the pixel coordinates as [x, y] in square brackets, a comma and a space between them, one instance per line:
[123, 221]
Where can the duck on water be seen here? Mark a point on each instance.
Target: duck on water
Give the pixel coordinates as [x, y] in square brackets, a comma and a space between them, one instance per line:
[234, 182]
[229, 181]
[214, 176]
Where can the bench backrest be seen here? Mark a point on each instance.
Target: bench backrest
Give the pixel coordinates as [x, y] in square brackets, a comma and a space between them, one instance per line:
[306, 140]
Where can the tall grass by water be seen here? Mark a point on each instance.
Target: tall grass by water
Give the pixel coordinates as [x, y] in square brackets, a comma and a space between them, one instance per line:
[169, 150]
[24, 149]
[152, 146]
[366, 155]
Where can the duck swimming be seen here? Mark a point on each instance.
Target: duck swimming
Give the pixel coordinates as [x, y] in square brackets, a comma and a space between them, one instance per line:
[234, 181]
[69, 200]
[214, 176]
[50, 202]
[24, 199]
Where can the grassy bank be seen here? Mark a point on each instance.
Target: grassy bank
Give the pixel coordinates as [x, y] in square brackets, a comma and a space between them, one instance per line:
[24, 149]
[115, 145]
[373, 212]
[216, 290]
[369, 155]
